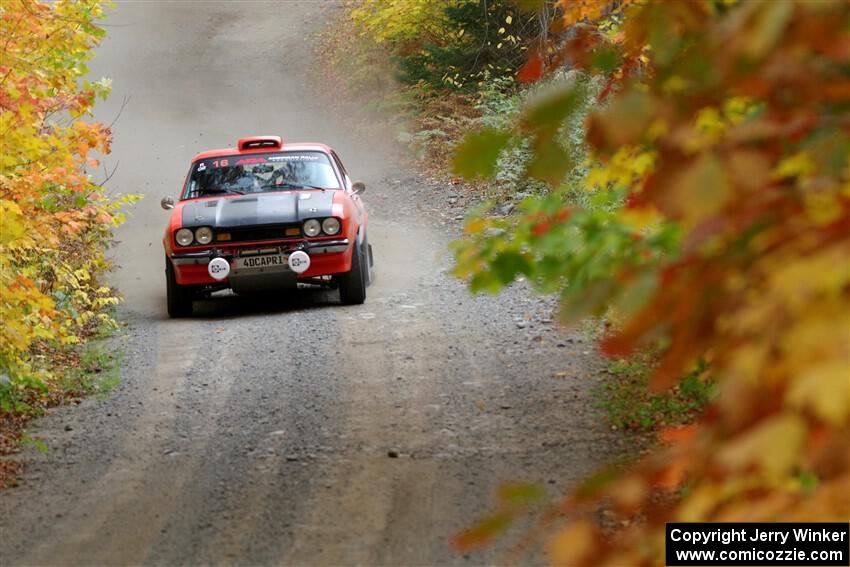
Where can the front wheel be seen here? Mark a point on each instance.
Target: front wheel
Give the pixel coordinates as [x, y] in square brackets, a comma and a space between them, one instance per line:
[178, 297]
[352, 284]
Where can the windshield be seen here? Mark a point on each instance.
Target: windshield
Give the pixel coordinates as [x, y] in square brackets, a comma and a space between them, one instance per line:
[258, 173]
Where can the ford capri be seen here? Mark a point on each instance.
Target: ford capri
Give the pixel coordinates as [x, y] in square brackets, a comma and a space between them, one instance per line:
[263, 217]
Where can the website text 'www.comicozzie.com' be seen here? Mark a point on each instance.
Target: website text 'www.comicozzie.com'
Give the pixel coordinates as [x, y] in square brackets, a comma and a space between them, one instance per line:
[758, 544]
[707, 556]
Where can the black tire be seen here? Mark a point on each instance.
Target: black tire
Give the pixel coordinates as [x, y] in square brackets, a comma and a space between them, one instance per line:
[352, 284]
[368, 262]
[178, 297]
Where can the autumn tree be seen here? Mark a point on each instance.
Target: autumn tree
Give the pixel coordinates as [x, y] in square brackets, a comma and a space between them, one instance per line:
[55, 220]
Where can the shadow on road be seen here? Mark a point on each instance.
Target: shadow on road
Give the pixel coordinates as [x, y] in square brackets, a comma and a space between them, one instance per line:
[230, 306]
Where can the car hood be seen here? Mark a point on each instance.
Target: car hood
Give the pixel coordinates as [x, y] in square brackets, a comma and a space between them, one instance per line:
[247, 210]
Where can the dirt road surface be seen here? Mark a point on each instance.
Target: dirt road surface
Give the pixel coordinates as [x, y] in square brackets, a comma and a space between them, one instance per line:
[260, 432]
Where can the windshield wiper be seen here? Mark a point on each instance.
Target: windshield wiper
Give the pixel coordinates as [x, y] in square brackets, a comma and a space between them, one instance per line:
[291, 185]
[223, 191]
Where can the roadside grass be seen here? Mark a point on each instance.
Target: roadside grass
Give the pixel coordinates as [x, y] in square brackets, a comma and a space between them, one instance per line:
[93, 368]
[99, 371]
[629, 404]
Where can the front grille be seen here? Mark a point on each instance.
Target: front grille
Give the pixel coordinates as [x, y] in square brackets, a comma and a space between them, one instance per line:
[256, 233]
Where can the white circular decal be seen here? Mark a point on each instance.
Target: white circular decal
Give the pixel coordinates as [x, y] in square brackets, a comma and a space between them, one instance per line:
[299, 262]
[219, 268]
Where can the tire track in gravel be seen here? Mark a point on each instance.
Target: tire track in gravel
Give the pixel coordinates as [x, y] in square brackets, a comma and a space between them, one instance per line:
[108, 503]
[388, 354]
[275, 426]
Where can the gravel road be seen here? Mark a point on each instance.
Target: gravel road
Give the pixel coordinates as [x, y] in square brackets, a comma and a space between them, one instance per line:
[291, 431]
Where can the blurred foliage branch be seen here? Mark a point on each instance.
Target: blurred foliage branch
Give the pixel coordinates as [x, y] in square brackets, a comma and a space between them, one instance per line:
[722, 130]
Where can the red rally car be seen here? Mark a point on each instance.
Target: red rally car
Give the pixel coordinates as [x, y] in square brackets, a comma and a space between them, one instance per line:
[265, 216]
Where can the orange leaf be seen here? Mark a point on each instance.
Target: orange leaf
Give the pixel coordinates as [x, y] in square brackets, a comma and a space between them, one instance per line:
[532, 70]
[677, 435]
[671, 477]
[573, 545]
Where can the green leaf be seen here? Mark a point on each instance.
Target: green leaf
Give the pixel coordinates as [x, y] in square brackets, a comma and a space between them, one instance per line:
[508, 264]
[808, 480]
[550, 163]
[484, 531]
[605, 60]
[595, 484]
[477, 154]
[521, 494]
[40, 445]
[625, 121]
[592, 300]
[550, 110]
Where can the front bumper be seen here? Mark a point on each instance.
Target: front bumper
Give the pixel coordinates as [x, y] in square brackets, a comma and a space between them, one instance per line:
[327, 257]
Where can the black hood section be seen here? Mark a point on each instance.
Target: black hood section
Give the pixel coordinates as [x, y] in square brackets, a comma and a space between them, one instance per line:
[252, 210]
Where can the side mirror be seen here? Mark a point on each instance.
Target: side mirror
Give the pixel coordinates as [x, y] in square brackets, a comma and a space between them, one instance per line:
[358, 187]
[167, 203]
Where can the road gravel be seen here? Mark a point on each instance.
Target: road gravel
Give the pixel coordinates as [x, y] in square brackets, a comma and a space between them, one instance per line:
[292, 430]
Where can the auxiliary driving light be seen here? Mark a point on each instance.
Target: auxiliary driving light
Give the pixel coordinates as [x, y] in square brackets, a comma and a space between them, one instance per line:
[299, 262]
[218, 268]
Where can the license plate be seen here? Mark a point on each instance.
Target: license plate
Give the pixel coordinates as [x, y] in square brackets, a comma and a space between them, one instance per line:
[261, 262]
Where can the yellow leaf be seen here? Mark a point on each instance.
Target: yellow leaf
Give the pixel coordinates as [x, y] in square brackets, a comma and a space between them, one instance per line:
[641, 218]
[698, 504]
[825, 388]
[797, 165]
[773, 445]
[475, 226]
[823, 207]
[573, 544]
[11, 221]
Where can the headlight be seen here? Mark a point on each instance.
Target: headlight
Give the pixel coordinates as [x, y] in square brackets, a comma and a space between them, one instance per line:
[204, 235]
[312, 227]
[330, 226]
[184, 237]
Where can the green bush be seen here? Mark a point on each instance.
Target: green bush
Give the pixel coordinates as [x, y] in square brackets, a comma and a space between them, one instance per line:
[482, 39]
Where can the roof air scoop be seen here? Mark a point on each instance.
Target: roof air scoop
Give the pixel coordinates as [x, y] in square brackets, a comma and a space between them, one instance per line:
[275, 142]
